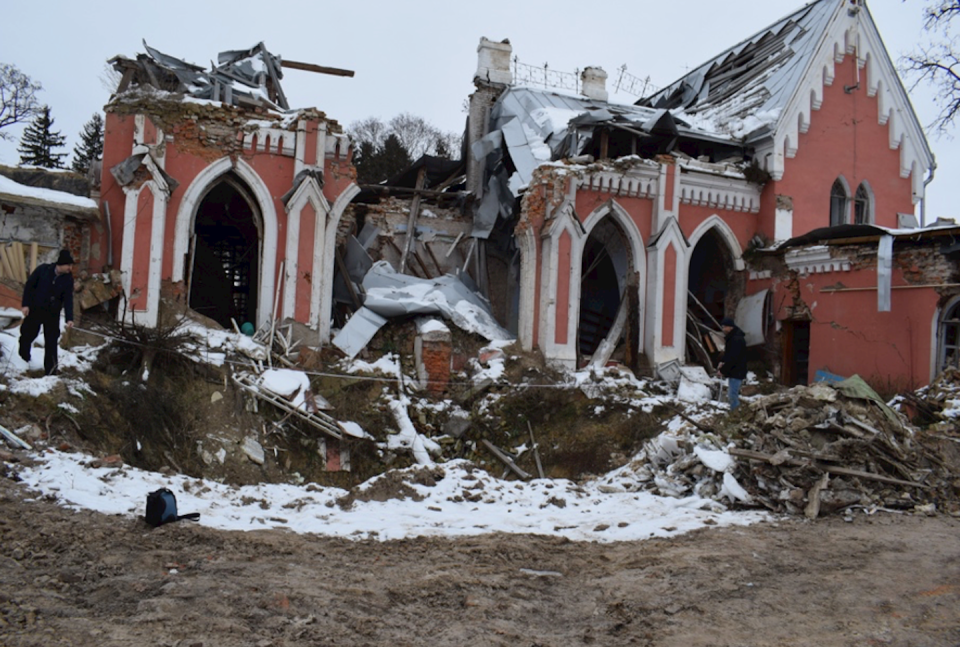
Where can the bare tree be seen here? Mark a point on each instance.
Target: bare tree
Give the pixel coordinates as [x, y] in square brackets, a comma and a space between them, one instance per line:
[938, 63]
[18, 98]
[416, 135]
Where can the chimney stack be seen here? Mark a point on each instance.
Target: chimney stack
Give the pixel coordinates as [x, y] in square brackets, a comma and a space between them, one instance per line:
[593, 83]
[493, 62]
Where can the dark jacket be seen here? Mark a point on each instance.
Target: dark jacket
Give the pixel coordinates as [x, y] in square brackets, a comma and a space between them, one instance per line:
[46, 292]
[735, 355]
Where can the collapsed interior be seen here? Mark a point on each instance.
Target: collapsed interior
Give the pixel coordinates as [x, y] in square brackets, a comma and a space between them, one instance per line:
[225, 267]
[708, 286]
[605, 266]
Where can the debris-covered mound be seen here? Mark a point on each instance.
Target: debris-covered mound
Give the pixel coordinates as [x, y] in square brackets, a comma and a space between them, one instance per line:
[937, 405]
[810, 450]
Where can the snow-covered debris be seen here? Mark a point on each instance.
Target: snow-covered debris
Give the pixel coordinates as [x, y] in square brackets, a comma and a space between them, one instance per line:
[810, 450]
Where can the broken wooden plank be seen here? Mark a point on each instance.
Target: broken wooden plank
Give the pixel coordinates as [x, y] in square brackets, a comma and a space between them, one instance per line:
[412, 220]
[454, 245]
[426, 246]
[319, 69]
[705, 311]
[536, 451]
[318, 419]
[831, 469]
[506, 459]
[693, 422]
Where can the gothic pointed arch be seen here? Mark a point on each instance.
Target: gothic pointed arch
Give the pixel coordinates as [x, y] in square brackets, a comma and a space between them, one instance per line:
[267, 248]
[839, 202]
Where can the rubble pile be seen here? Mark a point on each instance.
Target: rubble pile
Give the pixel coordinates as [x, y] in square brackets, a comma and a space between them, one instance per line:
[937, 406]
[813, 450]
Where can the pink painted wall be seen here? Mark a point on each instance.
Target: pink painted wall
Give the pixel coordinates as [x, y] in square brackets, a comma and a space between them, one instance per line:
[185, 160]
[640, 209]
[140, 275]
[669, 293]
[848, 335]
[563, 288]
[845, 139]
[743, 225]
[308, 228]
[117, 146]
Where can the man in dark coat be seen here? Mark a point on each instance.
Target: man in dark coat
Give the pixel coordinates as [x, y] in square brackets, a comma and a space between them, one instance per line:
[733, 364]
[48, 290]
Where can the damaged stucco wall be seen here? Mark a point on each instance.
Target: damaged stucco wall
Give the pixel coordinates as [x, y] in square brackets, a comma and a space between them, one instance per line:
[834, 288]
[294, 169]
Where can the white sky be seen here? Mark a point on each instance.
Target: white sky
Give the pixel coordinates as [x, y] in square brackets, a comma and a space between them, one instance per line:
[417, 56]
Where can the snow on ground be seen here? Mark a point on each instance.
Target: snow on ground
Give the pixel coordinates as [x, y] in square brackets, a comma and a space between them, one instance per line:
[544, 507]
[459, 500]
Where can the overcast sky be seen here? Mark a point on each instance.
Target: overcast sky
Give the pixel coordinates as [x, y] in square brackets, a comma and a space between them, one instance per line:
[417, 56]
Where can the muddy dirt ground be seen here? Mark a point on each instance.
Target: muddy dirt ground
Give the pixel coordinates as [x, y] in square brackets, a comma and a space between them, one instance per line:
[85, 579]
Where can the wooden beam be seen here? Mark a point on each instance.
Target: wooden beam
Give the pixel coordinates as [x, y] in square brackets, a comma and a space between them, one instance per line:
[506, 459]
[319, 69]
[831, 469]
[410, 242]
[382, 188]
[536, 451]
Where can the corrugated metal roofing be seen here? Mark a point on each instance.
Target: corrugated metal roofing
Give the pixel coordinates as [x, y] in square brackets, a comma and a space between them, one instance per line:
[755, 77]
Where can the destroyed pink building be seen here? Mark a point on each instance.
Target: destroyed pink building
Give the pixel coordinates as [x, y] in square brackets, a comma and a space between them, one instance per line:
[217, 194]
[776, 183]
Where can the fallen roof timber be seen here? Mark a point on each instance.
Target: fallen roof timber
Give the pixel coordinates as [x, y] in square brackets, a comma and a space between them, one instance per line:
[317, 419]
[319, 69]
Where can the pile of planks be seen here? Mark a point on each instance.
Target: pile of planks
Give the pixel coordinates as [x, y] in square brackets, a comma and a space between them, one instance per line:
[813, 451]
[13, 262]
[936, 406]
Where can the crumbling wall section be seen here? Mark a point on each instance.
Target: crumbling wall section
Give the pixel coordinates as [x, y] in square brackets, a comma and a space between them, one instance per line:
[443, 234]
[210, 131]
[838, 295]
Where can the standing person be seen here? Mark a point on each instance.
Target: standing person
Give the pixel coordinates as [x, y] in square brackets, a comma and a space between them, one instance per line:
[49, 288]
[733, 364]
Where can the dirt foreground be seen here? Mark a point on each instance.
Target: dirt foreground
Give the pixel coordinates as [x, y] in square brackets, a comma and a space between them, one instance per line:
[85, 579]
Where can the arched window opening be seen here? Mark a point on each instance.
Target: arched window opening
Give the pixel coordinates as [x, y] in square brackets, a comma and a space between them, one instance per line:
[225, 254]
[950, 337]
[862, 205]
[839, 203]
[606, 264]
[709, 284]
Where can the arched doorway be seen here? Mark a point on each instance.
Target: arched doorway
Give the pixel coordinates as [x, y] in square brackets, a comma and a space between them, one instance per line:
[709, 279]
[225, 254]
[605, 267]
[948, 346]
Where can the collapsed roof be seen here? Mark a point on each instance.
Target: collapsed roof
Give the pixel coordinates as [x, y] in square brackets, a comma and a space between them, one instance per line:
[743, 90]
[246, 78]
[530, 127]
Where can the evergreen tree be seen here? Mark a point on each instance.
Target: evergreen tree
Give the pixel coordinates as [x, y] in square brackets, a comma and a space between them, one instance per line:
[378, 163]
[39, 142]
[90, 148]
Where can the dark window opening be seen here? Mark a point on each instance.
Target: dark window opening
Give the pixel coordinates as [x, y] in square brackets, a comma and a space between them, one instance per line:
[861, 206]
[838, 204]
[606, 263]
[795, 340]
[225, 272]
[950, 339]
[708, 280]
[709, 283]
